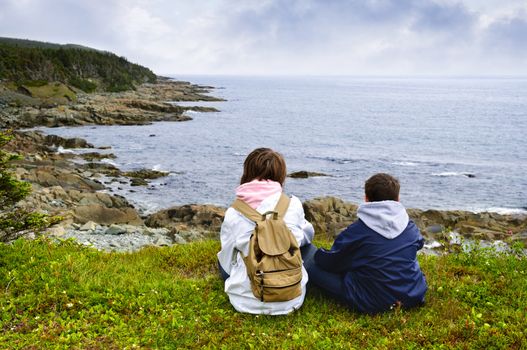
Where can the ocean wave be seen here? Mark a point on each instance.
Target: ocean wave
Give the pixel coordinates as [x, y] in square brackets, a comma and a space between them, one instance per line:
[62, 150]
[158, 167]
[109, 161]
[406, 163]
[338, 160]
[454, 173]
[504, 211]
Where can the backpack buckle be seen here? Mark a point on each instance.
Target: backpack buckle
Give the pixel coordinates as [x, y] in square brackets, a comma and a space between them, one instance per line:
[270, 212]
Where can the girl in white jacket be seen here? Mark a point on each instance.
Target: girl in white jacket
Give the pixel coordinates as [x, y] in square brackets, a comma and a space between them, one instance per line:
[264, 173]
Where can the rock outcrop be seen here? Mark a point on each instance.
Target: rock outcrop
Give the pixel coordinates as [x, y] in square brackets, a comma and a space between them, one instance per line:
[75, 192]
[330, 215]
[147, 104]
[191, 218]
[304, 174]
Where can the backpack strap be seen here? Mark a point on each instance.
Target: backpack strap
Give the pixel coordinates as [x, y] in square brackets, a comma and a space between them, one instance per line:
[282, 205]
[254, 215]
[246, 210]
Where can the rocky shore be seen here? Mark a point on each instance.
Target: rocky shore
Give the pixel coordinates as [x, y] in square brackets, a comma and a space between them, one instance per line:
[147, 104]
[74, 185]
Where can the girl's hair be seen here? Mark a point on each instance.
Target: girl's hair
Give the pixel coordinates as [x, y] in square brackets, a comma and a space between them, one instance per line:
[264, 164]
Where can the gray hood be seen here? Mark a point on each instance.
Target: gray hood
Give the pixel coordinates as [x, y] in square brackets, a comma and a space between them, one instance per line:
[387, 218]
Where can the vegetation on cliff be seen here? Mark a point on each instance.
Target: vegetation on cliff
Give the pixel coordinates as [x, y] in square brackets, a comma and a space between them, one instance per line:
[34, 64]
[69, 296]
[14, 220]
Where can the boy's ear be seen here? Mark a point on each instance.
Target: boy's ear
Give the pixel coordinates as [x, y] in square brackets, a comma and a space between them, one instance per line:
[366, 198]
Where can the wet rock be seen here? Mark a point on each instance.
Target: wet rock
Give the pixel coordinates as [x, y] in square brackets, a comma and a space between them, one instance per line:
[138, 182]
[91, 156]
[304, 174]
[145, 174]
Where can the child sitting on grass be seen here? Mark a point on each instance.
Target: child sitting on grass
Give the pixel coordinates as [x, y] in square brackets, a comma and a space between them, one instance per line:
[372, 264]
[264, 173]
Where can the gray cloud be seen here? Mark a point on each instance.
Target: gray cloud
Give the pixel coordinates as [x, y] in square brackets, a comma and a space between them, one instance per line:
[288, 36]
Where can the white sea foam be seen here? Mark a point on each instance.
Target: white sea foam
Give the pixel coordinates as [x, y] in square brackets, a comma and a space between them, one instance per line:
[62, 150]
[504, 211]
[453, 173]
[108, 161]
[406, 163]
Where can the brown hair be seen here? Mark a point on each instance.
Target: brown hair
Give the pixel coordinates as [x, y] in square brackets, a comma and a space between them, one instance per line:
[382, 187]
[264, 164]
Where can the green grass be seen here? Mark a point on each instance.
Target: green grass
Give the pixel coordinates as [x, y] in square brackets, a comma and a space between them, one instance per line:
[55, 90]
[67, 296]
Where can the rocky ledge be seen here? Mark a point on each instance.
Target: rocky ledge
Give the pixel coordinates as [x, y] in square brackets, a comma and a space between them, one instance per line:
[72, 186]
[146, 104]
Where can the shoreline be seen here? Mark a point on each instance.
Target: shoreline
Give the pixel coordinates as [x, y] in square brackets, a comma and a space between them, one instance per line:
[81, 193]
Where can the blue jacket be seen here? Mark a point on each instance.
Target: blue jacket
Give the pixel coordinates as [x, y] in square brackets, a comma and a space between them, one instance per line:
[377, 257]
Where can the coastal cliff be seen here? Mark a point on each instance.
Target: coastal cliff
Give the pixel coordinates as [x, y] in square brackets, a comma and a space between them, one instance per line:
[74, 185]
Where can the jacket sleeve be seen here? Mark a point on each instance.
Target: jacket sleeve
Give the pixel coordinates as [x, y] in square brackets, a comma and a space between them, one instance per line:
[336, 259]
[225, 255]
[234, 236]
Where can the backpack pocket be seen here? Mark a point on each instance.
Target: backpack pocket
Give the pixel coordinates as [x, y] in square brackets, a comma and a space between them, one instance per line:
[278, 285]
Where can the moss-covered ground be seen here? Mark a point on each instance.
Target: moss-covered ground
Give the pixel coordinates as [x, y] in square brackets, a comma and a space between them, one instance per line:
[68, 296]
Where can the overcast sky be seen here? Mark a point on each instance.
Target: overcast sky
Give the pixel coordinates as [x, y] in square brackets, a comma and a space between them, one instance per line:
[316, 37]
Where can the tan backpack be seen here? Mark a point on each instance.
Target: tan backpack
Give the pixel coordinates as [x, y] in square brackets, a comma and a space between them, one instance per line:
[274, 263]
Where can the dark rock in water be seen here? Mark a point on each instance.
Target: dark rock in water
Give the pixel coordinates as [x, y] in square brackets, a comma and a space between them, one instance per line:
[75, 142]
[146, 174]
[304, 174]
[103, 168]
[138, 182]
[91, 156]
[469, 175]
[152, 135]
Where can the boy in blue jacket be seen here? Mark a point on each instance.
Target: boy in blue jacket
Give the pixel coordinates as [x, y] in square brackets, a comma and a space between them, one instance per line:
[372, 264]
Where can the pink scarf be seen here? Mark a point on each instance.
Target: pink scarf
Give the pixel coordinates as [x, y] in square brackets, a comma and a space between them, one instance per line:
[254, 192]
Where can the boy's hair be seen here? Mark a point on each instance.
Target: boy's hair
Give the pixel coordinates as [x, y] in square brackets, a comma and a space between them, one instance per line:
[264, 164]
[382, 187]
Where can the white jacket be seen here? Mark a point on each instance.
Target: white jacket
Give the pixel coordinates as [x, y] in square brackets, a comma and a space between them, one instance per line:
[235, 234]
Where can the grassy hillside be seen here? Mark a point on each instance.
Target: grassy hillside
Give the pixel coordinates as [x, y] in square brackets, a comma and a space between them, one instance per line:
[27, 62]
[41, 44]
[67, 296]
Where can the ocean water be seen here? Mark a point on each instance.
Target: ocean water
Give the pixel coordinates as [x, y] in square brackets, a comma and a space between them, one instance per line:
[453, 143]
